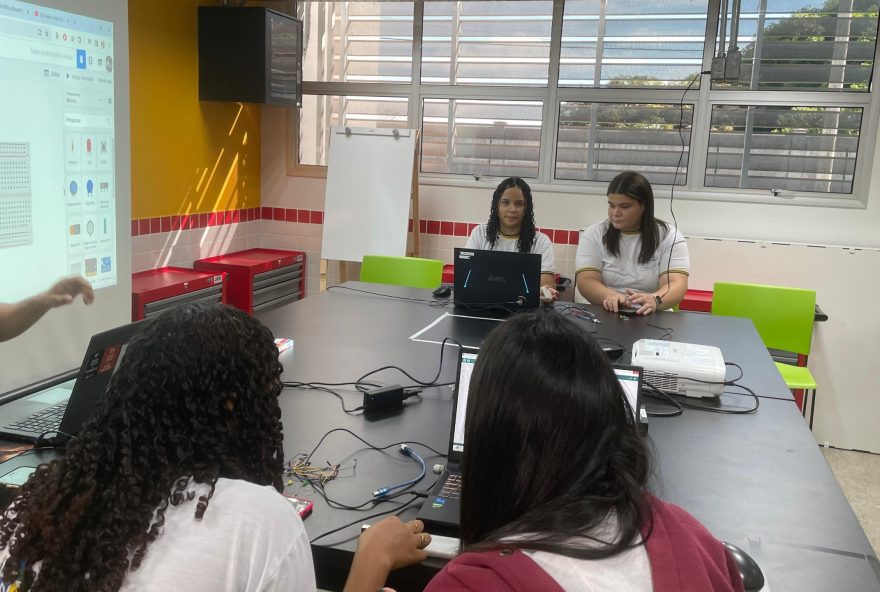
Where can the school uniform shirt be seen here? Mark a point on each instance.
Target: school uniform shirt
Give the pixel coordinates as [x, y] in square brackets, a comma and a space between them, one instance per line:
[250, 539]
[542, 246]
[624, 270]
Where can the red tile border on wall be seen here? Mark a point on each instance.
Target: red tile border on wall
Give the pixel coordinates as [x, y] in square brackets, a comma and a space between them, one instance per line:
[146, 226]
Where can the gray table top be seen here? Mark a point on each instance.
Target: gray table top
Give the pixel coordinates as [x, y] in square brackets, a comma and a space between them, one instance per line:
[757, 480]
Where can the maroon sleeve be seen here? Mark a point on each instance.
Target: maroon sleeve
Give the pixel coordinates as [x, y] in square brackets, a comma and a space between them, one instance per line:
[492, 571]
[684, 555]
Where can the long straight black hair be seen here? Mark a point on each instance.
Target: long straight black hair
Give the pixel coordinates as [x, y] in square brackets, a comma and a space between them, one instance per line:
[636, 186]
[553, 449]
[527, 230]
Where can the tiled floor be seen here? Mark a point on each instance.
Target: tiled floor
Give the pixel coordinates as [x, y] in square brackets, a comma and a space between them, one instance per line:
[859, 476]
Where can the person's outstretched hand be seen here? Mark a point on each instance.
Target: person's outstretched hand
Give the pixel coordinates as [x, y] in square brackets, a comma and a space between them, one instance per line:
[65, 290]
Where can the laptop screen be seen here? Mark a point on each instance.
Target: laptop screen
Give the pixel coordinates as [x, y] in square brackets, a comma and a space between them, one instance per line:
[505, 280]
[465, 370]
[629, 378]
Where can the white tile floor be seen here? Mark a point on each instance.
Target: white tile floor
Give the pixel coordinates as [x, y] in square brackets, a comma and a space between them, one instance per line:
[859, 476]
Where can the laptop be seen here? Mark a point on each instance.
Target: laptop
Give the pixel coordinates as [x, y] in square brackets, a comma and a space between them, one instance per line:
[496, 280]
[442, 507]
[65, 407]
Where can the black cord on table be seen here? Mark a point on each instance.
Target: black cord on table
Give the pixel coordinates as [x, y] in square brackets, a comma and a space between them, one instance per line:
[688, 405]
[318, 387]
[372, 502]
[668, 331]
[369, 445]
[397, 509]
[431, 382]
[422, 300]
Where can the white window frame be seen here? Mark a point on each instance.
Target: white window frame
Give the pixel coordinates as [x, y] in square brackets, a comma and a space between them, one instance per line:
[703, 99]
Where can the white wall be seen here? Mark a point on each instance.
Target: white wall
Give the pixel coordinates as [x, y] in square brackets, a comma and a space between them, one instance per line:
[847, 392]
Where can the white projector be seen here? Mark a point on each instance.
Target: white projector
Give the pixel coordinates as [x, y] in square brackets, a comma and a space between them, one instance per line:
[675, 367]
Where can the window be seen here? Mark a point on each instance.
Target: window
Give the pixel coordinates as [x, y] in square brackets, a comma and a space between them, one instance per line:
[571, 92]
[491, 137]
[598, 140]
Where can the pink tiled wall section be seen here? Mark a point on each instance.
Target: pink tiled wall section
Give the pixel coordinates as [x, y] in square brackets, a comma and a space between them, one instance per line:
[179, 240]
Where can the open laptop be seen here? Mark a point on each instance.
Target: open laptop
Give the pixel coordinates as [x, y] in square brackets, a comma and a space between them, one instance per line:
[441, 509]
[496, 280]
[64, 408]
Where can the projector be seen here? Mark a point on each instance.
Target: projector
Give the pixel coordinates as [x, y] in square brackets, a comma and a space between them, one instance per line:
[675, 367]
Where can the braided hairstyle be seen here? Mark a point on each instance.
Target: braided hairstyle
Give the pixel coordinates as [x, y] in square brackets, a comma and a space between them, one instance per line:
[195, 396]
[527, 230]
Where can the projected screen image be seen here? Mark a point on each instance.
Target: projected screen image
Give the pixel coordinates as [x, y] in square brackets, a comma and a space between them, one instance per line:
[57, 189]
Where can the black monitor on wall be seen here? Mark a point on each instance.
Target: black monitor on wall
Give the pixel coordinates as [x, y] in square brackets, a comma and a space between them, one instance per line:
[250, 55]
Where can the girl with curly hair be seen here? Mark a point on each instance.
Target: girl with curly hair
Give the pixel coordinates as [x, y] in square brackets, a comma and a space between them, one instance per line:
[174, 483]
[511, 227]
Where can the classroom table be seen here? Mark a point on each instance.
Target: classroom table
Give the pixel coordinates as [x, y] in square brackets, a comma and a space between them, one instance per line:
[757, 480]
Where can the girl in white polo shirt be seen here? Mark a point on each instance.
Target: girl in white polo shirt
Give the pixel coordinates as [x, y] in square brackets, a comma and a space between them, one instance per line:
[511, 227]
[632, 260]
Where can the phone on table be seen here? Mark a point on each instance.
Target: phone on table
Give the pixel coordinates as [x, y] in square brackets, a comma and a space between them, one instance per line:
[303, 506]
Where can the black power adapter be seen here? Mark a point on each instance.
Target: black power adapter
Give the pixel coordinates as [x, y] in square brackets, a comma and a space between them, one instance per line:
[383, 398]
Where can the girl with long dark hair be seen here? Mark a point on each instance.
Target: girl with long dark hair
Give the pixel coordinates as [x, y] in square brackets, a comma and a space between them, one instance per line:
[554, 476]
[632, 259]
[511, 227]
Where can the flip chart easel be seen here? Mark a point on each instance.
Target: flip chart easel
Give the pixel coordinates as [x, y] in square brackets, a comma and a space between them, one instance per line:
[372, 191]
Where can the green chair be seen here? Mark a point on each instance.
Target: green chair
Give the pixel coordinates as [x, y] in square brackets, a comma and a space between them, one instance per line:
[784, 319]
[402, 271]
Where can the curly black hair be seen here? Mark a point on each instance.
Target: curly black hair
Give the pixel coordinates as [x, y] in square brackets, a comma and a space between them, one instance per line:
[527, 230]
[195, 396]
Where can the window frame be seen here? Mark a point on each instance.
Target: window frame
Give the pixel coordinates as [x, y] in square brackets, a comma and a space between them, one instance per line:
[703, 100]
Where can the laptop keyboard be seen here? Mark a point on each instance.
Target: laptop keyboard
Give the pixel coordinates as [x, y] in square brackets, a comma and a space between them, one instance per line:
[452, 487]
[47, 420]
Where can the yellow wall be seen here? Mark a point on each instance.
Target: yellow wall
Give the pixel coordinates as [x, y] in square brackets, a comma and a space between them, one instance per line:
[186, 155]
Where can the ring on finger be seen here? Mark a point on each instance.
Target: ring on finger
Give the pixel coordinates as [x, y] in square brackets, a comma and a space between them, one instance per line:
[423, 540]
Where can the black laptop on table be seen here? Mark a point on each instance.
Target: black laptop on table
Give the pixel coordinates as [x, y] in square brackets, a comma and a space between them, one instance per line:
[441, 510]
[65, 408]
[497, 280]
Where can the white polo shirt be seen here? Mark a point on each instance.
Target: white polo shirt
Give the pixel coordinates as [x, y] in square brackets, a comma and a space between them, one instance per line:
[624, 271]
[542, 246]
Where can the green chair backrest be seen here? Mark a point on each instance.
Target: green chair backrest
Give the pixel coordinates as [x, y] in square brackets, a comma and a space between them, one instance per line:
[402, 271]
[783, 316]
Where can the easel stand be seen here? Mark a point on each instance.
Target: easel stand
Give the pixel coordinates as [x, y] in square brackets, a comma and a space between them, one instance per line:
[356, 199]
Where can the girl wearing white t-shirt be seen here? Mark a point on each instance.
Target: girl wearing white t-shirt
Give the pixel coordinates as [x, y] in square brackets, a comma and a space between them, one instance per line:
[511, 227]
[174, 484]
[632, 260]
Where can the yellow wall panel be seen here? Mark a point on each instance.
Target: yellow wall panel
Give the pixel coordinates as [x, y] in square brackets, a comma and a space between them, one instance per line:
[186, 155]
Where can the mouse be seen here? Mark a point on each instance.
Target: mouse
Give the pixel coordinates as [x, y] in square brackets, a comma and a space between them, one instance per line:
[749, 571]
[442, 291]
